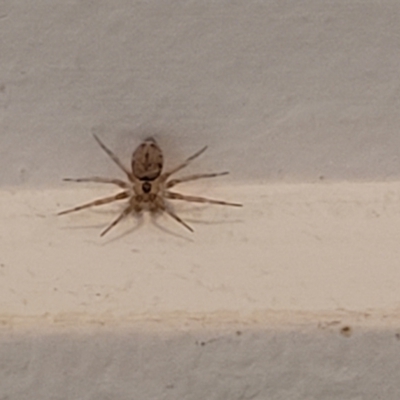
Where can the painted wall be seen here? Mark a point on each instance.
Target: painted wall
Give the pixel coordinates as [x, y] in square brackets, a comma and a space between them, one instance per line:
[295, 295]
[292, 91]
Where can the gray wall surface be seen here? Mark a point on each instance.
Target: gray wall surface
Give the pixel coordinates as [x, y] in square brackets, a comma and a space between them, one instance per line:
[279, 90]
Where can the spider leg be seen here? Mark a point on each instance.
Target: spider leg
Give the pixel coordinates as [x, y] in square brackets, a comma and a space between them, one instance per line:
[184, 164]
[113, 157]
[163, 207]
[97, 179]
[195, 199]
[98, 202]
[174, 182]
[118, 219]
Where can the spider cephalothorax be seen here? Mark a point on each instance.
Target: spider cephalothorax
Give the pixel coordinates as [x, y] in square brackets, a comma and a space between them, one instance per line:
[147, 187]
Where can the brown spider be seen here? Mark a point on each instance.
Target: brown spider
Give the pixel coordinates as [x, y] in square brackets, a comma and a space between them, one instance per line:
[147, 187]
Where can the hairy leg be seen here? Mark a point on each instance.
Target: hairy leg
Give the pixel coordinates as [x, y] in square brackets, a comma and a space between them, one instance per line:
[183, 165]
[99, 202]
[120, 217]
[196, 199]
[98, 179]
[114, 157]
[161, 205]
[175, 182]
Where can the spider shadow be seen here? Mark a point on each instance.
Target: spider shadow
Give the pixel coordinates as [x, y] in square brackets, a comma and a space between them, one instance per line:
[214, 221]
[113, 238]
[140, 222]
[198, 209]
[100, 226]
[154, 217]
[154, 220]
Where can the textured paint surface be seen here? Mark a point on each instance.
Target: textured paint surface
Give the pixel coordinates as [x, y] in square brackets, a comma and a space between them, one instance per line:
[278, 90]
[195, 361]
[291, 247]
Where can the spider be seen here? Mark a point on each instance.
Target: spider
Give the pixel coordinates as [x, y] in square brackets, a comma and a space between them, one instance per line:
[147, 187]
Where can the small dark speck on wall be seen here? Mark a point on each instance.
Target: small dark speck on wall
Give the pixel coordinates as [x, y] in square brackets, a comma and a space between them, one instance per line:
[346, 331]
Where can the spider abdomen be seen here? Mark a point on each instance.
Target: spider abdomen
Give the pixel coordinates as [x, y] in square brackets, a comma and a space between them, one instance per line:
[147, 161]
